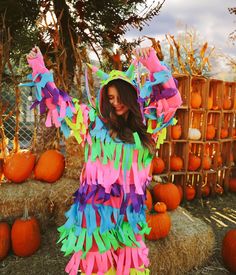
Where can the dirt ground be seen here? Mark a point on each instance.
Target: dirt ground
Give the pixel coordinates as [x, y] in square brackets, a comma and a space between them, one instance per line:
[219, 212]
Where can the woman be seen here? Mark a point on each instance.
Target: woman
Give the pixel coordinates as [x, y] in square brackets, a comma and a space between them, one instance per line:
[106, 224]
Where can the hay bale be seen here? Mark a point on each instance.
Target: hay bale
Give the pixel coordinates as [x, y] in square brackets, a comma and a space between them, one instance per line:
[47, 202]
[189, 244]
[74, 159]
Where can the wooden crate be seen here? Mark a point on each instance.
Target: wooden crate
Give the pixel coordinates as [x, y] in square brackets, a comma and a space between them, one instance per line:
[234, 126]
[210, 179]
[197, 121]
[182, 117]
[183, 87]
[194, 179]
[164, 153]
[223, 177]
[228, 96]
[213, 118]
[180, 149]
[214, 95]
[226, 151]
[199, 85]
[212, 149]
[226, 127]
[197, 149]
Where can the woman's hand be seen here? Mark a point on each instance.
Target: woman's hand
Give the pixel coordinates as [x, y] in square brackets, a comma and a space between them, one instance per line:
[35, 51]
[142, 52]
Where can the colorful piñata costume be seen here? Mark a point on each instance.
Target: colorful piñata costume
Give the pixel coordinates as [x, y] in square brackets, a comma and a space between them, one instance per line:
[106, 224]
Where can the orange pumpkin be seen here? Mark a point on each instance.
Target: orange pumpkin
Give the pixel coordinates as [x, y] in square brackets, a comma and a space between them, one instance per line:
[196, 100]
[232, 185]
[190, 193]
[210, 131]
[5, 239]
[25, 236]
[160, 224]
[176, 131]
[224, 132]
[148, 201]
[167, 193]
[229, 250]
[205, 191]
[206, 162]
[158, 165]
[160, 207]
[19, 166]
[176, 163]
[227, 103]
[194, 162]
[210, 102]
[50, 166]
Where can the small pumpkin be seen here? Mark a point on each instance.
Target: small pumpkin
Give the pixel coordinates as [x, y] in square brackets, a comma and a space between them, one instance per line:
[210, 132]
[224, 132]
[19, 166]
[176, 131]
[194, 162]
[148, 201]
[190, 193]
[160, 224]
[229, 250]
[25, 235]
[5, 239]
[194, 134]
[160, 207]
[50, 166]
[158, 165]
[167, 193]
[227, 103]
[206, 162]
[232, 185]
[196, 100]
[176, 163]
[205, 190]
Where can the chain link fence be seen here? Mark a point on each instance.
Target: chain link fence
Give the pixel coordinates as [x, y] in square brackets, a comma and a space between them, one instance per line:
[26, 119]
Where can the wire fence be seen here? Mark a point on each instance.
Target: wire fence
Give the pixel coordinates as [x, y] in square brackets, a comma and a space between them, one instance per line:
[27, 117]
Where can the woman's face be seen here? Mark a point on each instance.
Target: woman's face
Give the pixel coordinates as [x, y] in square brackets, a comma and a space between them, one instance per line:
[114, 99]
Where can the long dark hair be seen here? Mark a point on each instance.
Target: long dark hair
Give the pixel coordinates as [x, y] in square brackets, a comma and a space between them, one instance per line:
[119, 126]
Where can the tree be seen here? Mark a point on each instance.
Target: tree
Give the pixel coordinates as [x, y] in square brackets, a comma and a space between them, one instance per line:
[232, 35]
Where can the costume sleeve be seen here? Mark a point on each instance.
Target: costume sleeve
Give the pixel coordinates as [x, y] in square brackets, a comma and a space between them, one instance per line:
[160, 96]
[62, 110]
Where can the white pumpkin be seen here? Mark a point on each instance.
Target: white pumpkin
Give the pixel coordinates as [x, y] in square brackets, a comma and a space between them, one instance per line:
[194, 134]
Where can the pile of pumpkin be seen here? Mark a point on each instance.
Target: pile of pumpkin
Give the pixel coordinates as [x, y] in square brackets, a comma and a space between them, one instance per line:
[18, 167]
[161, 198]
[24, 237]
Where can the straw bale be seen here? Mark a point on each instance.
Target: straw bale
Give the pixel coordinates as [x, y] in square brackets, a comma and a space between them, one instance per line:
[43, 200]
[74, 158]
[189, 244]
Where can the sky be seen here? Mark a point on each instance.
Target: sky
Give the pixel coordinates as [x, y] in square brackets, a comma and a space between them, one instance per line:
[210, 18]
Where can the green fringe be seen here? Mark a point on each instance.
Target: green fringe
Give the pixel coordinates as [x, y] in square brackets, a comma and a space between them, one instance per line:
[114, 238]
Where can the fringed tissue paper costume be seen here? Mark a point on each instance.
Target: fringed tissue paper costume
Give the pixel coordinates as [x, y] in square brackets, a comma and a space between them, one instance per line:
[106, 224]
